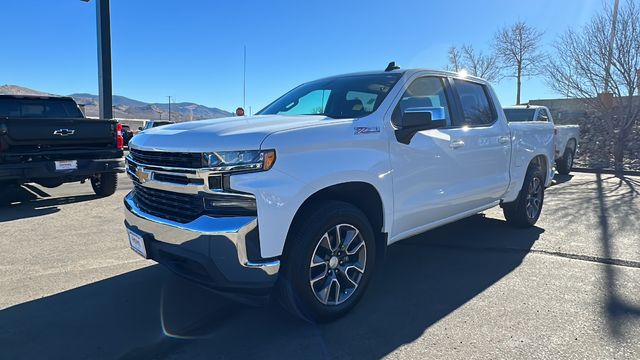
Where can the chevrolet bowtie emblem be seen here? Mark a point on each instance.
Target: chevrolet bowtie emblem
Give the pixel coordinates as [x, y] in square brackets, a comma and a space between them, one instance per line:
[64, 132]
[143, 174]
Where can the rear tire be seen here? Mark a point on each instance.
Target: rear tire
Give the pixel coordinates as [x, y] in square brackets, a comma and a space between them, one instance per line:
[50, 184]
[105, 184]
[565, 163]
[7, 192]
[327, 263]
[526, 209]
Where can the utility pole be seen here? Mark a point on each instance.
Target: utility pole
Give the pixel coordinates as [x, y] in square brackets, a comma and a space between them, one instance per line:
[169, 96]
[105, 90]
[612, 37]
[244, 79]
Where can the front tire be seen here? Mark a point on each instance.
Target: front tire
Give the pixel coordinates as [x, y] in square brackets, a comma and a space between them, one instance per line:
[525, 210]
[328, 262]
[105, 184]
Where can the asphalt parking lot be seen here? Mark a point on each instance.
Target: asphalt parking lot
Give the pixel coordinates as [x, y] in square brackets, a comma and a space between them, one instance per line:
[567, 288]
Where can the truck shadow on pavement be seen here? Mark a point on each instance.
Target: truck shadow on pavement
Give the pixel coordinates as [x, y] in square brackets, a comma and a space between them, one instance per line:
[29, 201]
[149, 313]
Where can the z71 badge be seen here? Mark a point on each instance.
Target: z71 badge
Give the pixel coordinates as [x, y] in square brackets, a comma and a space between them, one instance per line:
[366, 130]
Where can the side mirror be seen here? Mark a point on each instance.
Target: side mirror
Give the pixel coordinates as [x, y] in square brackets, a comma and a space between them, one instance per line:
[418, 119]
[140, 128]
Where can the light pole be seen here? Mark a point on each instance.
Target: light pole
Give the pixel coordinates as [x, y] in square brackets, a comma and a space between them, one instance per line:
[605, 97]
[105, 90]
[244, 78]
[612, 37]
[169, 96]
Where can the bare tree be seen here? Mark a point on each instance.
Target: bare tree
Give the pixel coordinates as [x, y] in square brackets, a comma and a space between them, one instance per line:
[517, 47]
[481, 65]
[474, 62]
[455, 59]
[579, 69]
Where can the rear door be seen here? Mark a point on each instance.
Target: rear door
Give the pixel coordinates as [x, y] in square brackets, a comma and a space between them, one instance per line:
[480, 145]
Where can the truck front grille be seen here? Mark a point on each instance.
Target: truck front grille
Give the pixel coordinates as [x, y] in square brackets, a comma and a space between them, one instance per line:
[171, 159]
[184, 208]
[178, 207]
[167, 189]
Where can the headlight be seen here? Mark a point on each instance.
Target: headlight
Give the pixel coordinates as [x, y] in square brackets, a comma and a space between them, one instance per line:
[240, 160]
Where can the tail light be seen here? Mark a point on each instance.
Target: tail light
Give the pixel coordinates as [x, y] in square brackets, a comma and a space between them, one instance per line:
[119, 138]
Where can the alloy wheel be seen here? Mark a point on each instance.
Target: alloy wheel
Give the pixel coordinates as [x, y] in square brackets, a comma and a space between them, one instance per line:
[570, 160]
[534, 198]
[337, 264]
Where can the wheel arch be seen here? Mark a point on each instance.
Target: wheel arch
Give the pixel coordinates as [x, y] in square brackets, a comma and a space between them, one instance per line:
[519, 173]
[572, 143]
[542, 161]
[360, 194]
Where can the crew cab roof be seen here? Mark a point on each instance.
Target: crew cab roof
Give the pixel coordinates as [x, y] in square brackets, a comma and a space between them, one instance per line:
[408, 72]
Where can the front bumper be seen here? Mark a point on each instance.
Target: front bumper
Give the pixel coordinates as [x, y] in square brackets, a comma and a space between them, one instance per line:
[29, 171]
[209, 250]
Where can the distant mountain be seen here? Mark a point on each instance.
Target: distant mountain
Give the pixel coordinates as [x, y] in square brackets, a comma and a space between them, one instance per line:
[19, 90]
[126, 108]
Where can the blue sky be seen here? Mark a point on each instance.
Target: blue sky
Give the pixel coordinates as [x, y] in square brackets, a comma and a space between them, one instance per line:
[193, 49]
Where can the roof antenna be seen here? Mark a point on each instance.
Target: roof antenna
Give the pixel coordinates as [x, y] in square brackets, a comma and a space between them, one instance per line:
[392, 66]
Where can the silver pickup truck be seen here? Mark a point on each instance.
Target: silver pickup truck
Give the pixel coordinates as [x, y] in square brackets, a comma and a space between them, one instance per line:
[565, 136]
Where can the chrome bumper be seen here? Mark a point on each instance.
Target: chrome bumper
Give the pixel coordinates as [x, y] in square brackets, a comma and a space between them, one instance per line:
[212, 250]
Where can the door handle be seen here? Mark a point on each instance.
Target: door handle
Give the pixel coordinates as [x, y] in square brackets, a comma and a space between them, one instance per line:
[504, 139]
[456, 144]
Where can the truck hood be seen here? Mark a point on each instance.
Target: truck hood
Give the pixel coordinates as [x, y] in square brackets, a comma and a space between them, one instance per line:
[233, 133]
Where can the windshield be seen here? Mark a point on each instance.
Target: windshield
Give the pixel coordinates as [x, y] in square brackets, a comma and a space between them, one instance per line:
[519, 114]
[340, 97]
[152, 124]
[39, 108]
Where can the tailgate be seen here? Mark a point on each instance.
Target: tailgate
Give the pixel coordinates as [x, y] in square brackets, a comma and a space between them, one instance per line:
[56, 132]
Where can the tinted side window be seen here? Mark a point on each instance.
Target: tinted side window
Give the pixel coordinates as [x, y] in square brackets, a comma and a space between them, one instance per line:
[368, 100]
[29, 108]
[423, 92]
[475, 104]
[10, 108]
[542, 115]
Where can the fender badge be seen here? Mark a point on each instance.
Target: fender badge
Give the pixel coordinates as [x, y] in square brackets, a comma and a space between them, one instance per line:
[366, 130]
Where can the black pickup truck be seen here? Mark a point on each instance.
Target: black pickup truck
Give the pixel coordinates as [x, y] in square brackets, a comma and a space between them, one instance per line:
[48, 140]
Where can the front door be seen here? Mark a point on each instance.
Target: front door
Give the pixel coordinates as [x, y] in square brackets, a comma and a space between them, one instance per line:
[425, 174]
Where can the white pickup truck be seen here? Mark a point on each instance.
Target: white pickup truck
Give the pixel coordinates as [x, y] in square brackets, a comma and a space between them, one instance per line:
[565, 136]
[305, 197]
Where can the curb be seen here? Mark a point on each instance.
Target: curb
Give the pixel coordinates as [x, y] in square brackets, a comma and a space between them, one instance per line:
[604, 171]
